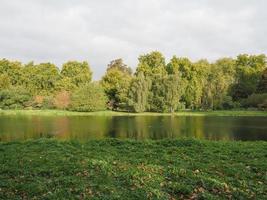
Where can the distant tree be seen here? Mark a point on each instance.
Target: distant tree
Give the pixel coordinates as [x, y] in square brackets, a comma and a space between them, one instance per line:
[248, 75]
[174, 89]
[116, 83]
[138, 93]
[262, 87]
[78, 72]
[118, 64]
[218, 80]
[179, 66]
[5, 82]
[66, 84]
[40, 79]
[12, 69]
[152, 64]
[90, 97]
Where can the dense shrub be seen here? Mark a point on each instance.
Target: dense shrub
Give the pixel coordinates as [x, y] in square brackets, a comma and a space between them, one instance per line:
[255, 100]
[14, 98]
[90, 97]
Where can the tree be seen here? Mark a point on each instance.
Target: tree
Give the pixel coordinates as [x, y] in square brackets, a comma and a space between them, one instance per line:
[90, 97]
[116, 83]
[152, 64]
[11, 69]
[262, 87]
[5, 82]
[78, 72]
[174, 89]
[138, 93]
[180, 66]
[40, 79]
[249, 69]
[118, 64]
[218, 80]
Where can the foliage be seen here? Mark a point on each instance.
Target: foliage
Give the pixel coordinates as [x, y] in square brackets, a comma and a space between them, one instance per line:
[116, 169]
[40, 79]
[90, 97]
[62, 100]
[151, 64]
[248, 73]
[116, 83]
[262, 87]
[156, 86]
[79, 73]
[255, 100]
[4, 81]
[13, 69]
[138, 93]
[14, 98]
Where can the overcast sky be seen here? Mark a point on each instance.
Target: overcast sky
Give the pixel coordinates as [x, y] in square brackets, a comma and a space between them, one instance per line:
[101, 30]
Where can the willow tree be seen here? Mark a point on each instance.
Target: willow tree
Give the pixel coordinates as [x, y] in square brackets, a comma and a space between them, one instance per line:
[138, 93]
[173, 91]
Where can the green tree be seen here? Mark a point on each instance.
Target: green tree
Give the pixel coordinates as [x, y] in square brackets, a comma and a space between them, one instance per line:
[12, 69]
[152, 64]
[262, 87]
[41, 78]
[90, 97]
[249, 69]
[174, 89]
[4, 81]
[218, 80]
[138, 93]
[78, 72]
[116, 83]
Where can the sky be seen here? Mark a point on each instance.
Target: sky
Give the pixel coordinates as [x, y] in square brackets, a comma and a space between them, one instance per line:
[103, 30]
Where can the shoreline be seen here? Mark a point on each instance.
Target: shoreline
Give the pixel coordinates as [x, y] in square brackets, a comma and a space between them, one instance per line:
[234, 113]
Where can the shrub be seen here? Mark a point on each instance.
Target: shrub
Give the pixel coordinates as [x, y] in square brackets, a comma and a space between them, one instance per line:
[14, 98]
[255, 100]
[62, 100]
[91, 97]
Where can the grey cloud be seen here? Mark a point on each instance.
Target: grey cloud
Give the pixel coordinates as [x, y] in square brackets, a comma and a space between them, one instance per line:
[99, 31]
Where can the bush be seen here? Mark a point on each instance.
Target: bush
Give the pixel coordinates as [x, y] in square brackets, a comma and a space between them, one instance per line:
[255, 100]
[62, 100]
[14, 98]
[91, 97]
[42, 102]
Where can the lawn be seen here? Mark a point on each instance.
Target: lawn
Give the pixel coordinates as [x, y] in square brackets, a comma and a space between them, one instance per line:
[116, 169]
[115, 113]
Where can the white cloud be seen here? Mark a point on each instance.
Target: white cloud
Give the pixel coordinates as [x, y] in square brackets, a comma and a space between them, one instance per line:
[99, 31]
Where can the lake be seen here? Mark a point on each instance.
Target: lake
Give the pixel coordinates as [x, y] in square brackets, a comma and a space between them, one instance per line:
[82, 128]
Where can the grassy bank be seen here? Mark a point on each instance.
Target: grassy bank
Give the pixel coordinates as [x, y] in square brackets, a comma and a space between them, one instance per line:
[113, 113]
[114, 169]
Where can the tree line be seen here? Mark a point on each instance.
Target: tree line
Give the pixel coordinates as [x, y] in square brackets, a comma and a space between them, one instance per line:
[155, 86]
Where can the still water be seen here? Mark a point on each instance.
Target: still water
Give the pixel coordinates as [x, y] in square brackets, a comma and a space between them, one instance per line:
[135, 127]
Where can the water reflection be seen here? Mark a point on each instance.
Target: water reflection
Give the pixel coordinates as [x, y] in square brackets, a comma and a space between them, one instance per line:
[135, 127]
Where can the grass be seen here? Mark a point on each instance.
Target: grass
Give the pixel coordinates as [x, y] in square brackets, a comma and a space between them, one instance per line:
[115, 169]
[113, 113]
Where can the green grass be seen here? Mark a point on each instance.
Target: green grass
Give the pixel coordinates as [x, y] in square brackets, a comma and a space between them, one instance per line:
[115, 169]
[113, 113]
